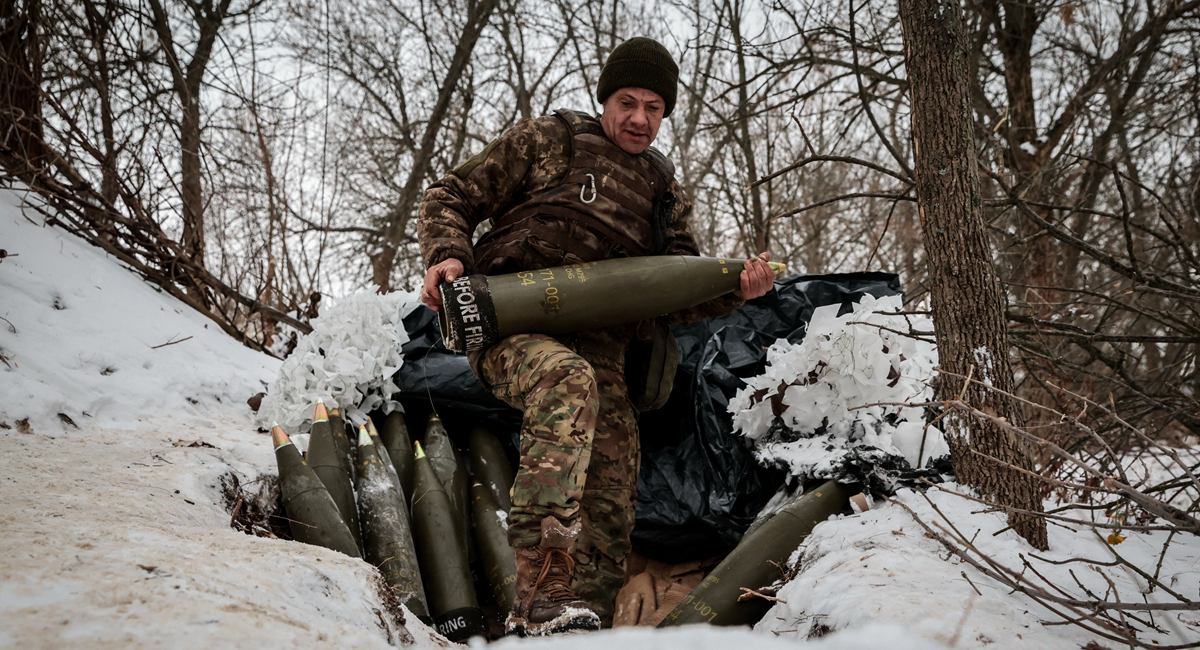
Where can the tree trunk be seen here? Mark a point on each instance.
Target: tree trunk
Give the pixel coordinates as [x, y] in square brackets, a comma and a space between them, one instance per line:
[1036, 267]
[965, 292]
[186, 82]
[190, 188]
[20, 77]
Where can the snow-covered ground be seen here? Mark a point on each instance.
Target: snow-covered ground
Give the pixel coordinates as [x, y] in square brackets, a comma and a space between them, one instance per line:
[882, 566]
[114, 533]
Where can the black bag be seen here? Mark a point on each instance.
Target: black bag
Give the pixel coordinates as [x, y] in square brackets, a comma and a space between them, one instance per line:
[700, 485]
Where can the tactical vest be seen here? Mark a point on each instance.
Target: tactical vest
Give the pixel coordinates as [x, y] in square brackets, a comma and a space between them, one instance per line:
[606, 190]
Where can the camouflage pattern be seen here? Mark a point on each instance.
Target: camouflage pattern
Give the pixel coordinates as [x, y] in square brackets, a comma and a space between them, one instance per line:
[579, 441]
[579, 453]
[608, 502]
[529, 160]
[606, 190]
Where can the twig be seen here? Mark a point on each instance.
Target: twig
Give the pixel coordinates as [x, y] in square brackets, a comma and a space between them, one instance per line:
[964, 575]
[237, 508]
[1017, 583]
[749, 593]
[1125, 563]
[815, 158]
[1165, 511]
[155, 347]
[845, 197]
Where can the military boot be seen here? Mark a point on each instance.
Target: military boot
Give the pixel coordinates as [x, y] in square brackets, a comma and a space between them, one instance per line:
[545, 603]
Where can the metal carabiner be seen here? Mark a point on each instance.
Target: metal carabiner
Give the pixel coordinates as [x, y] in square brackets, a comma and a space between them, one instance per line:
[583, 188]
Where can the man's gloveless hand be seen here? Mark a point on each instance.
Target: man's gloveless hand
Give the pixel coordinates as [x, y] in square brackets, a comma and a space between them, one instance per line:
[447, 270]
[757, 279]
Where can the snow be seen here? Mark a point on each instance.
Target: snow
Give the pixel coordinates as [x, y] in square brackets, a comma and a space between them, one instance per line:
[704, 637]
[116, 533]
[985, 365]
[115, 529]
[880, 566]
[80, 335]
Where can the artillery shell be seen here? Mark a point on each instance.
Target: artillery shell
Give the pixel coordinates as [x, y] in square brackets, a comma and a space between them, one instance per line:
[480, 310]
[311, 512]
[490, 465]
[451, 472]
[393, 431]
[490, 524]
[447, 576]
[337, 428]
[387, 536]
[755, 562]
[323, 459]
[384, 455]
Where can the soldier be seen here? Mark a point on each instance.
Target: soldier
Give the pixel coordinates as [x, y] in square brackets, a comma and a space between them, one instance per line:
[566, 189]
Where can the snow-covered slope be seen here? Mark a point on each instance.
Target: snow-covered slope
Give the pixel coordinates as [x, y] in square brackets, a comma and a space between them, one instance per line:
[113, 532]
[85, 337]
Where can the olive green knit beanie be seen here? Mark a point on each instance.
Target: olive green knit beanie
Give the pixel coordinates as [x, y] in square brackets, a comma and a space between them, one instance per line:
[640, 62]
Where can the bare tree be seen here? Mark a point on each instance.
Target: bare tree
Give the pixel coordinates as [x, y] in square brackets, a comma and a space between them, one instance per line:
[206, 17]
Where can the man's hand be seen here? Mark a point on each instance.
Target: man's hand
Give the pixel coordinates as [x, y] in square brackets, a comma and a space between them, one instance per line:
[447, 270]
[757, 278]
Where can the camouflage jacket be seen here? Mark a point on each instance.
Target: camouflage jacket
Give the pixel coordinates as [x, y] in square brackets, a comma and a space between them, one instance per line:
[529, 159]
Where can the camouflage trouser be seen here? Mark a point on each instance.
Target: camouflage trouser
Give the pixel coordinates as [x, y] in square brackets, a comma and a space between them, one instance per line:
[579, 454]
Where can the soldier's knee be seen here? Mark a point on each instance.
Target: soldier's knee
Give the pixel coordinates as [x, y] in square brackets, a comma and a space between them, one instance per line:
[565, 370]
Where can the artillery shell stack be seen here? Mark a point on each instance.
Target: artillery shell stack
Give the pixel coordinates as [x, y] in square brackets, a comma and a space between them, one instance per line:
[393, 431]
[440, 549]
[491, 537]
[755, 563]
[387, 537]
[311, 512]
[490, 465]
[323, 459]
[479, 310]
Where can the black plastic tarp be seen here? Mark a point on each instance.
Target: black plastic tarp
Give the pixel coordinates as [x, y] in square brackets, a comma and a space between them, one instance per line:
[699, 486]
[433, 377]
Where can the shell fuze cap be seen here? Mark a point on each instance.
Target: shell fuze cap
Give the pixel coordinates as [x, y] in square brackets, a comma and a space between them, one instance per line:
[640, 62]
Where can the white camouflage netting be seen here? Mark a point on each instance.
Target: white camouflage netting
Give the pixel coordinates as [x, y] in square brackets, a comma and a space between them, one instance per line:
[348, 361]
[842, 363]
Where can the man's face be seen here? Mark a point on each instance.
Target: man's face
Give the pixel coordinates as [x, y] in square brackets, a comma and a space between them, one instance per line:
[631, 118]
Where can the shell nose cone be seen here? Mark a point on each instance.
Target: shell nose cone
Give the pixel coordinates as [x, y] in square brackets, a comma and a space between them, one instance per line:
[279, 437]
